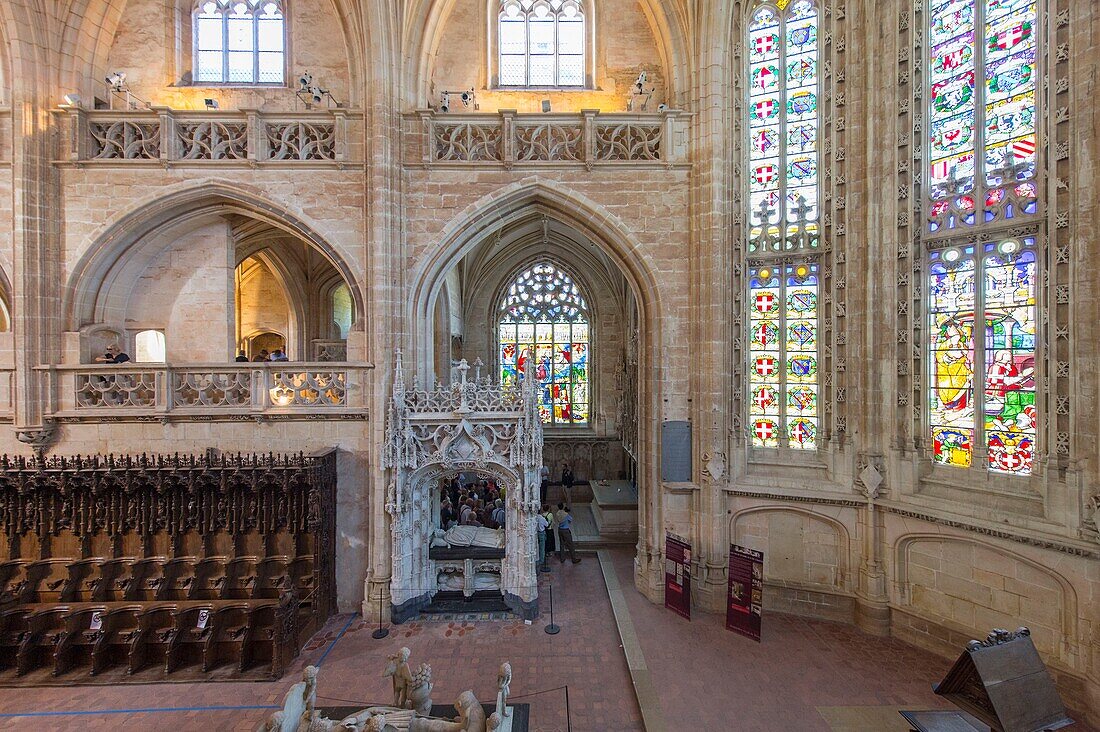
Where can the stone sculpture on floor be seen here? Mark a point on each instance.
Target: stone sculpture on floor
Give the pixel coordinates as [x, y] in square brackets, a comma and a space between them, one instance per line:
[402, 677]
[410, 712]
[420, 690]
[471, 718]
[504, 682]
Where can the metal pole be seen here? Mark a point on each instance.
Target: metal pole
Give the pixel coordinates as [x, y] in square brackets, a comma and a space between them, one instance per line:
[381, 632]
[552, 629]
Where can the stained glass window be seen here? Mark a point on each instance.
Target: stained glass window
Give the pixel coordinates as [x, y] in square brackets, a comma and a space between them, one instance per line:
[544, 331]
[993, 286]
[239, 42]
[541, 43]
[783, 328]
[983, 79]
[783, 124]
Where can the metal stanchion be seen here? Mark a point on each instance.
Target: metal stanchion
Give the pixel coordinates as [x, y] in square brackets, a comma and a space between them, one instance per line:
[381, 632]
[552, 629]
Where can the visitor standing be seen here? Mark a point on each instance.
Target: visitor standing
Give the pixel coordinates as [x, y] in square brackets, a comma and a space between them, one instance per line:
[498, 514]
[551, 531]
[543, 526]
[565, 534]
[567, 484]
[544, 479]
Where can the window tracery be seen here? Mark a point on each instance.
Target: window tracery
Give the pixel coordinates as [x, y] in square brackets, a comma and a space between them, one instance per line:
[544, 331]
[239, 42]
[784, 230]
[982, 131]
[982, 174]
[541, 43]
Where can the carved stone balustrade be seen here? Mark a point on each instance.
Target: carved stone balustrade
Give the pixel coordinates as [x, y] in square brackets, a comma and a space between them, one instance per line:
[161, 136]
[287, 390]
[509, 139]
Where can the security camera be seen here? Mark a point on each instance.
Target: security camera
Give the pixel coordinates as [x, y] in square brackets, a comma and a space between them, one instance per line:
[116, 80]
[318, 94]
[467, 98]
[662, 107]
[445, 102]
[639, 83]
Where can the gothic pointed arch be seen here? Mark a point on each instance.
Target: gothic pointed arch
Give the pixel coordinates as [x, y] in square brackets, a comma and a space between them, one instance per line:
[133, 239]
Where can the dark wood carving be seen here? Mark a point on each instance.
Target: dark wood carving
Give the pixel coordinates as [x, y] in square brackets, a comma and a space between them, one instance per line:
[163, 566]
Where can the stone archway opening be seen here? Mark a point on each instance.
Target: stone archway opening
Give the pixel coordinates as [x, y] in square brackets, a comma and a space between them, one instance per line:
[483, 249]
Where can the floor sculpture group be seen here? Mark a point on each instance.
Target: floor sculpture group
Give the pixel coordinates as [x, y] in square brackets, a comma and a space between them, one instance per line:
[410, 711]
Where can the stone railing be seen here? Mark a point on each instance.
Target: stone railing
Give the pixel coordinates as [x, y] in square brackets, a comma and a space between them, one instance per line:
[510, 139]
[271, 390]
[163, 135]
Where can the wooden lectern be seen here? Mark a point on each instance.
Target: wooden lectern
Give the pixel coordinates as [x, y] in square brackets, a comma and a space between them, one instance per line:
[1003, 683]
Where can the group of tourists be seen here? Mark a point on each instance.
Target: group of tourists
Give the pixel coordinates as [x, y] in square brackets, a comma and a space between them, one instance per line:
[264, 356]
[481, 503]
[476, 504]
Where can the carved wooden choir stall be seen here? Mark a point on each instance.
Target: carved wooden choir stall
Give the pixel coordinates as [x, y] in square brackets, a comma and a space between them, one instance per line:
[163, 567]
[473, 426]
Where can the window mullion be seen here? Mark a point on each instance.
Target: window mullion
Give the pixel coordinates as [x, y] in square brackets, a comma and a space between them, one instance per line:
[225, 48]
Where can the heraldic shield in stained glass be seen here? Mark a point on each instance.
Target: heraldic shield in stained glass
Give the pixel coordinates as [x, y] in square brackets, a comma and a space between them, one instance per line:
[783, 127]
[983, 324]
[544, 332]
[982, 114]
[783, 351]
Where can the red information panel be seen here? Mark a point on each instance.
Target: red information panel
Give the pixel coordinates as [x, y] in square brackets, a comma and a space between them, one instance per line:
[746, 591]
[678, 575]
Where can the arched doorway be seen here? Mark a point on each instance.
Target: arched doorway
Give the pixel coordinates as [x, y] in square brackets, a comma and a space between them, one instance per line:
[511, 229]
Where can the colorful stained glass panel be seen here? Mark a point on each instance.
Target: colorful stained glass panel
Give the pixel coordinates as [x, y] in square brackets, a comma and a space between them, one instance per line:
[783, 351]
[994, 287]
[544, 334]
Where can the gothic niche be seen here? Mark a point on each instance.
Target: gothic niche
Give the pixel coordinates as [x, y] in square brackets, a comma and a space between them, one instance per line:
[469, 426]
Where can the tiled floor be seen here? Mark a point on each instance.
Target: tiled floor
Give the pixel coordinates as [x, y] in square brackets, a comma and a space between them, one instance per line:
[804, 676]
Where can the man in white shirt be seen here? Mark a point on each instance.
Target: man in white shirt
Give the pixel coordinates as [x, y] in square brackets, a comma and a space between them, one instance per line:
[543, 525]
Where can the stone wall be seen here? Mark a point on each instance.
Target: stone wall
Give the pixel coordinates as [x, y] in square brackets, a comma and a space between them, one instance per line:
[187, 293]
[153, 48]
[465, 59]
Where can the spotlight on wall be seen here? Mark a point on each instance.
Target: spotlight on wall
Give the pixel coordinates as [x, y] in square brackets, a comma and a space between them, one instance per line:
[310, 93]
[662, 107]
[468, 98]
[116, 80]
[72, 100]
[211, 103]
[546, 106]
[639, 92]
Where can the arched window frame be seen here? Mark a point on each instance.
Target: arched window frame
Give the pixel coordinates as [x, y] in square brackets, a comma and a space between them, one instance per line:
[509, 367]
[257, 13]
[154, 352]
[785, 268]
[496, 13]
[991, 214]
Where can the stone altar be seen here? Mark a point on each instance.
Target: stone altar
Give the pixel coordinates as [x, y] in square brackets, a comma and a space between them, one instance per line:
[615, 508]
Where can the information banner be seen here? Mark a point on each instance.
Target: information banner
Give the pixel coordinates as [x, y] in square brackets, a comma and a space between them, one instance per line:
[746, 591]
[678, 575]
